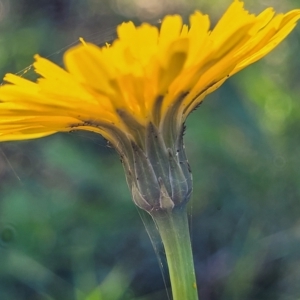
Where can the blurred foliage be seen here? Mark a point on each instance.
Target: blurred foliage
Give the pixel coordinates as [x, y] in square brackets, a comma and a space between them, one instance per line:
[68, 227]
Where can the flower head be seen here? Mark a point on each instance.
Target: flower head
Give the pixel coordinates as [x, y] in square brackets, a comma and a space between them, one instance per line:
[138, 91]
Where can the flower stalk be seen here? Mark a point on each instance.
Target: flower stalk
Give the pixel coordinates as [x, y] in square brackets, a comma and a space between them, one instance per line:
[174, 231]
[160, 180]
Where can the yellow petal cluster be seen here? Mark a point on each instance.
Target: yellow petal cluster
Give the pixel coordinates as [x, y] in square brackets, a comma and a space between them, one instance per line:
[148, 75]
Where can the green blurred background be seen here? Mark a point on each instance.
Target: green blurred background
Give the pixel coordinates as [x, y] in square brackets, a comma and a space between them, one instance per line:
[68, 227]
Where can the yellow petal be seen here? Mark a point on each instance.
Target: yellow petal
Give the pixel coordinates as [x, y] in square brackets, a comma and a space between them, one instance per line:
[86, 63]
[146, 75]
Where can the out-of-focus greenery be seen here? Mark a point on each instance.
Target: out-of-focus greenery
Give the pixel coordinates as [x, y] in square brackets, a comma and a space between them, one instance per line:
[68, 226]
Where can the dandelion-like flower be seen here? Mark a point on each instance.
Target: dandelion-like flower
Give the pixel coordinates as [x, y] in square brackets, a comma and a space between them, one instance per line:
[138, 92]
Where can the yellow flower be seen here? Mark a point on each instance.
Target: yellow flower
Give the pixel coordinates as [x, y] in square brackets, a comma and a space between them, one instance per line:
[146, 75]
[142, 87]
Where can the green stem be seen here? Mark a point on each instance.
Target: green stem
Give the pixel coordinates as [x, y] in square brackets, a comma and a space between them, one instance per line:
[174, 231]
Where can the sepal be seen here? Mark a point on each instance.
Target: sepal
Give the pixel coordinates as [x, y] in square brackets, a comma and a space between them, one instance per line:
[159, 177]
